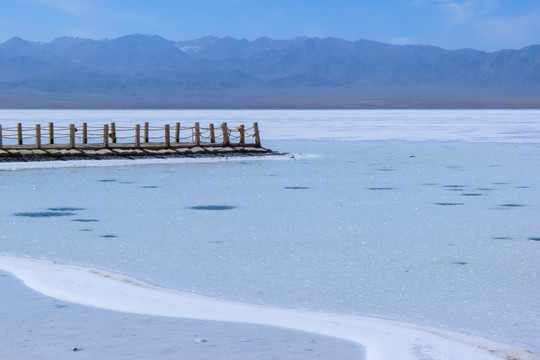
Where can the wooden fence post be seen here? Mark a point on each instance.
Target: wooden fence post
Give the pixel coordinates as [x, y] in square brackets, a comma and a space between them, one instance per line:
[72, 136]
[197, 134]
[19, 134]
[177, 133]
[110, 136]
[212, 134]
[51, 133]
[146, 132]
[38, 136]
[113, 133]
[242, 131]
[84, 133]
[167, 136]
[105, 136]
[137, 136]
[256, 134]
[225, 130]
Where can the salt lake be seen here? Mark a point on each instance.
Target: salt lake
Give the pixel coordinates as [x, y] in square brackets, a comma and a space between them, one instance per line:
[421, 216]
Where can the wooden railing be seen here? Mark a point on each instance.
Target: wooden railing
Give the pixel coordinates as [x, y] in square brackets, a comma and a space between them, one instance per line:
[137, 136]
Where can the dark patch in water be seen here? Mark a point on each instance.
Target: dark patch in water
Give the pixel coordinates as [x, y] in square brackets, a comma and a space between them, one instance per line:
[455, 186]
[502, 238]
[60, 306]
[382, 188]
[85, 220]
[512, 205]
[107, 180]
[217, 242]
[126, 182]
[452, 167]
[213, 207]
[471, 194]
[430, 184]
[387, 169]
[534, 238]
[108, 236]
[150, 187]
[86, 229]
[448, 204]
[523, 187]
[66, 209]
[500, 183]
[484, 189]
[459, 262]
[456, 189]
[296, 187]
[45, 214]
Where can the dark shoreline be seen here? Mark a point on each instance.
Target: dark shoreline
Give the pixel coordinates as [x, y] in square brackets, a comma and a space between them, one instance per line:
[38, 155]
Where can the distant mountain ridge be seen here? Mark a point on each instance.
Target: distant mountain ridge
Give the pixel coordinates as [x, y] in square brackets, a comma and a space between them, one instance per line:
[152, 71]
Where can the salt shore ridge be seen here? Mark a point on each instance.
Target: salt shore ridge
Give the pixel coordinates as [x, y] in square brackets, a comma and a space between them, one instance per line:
[381, 339]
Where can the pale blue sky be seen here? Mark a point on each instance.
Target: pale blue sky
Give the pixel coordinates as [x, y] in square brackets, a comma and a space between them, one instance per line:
[481, 24]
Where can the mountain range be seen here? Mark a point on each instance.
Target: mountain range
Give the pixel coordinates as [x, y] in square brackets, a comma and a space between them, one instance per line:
[150, 71]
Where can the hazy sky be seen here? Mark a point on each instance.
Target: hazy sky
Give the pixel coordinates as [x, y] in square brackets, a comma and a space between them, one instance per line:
[481, 24]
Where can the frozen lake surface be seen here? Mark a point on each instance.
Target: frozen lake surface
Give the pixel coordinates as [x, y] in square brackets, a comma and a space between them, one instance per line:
[426, 217]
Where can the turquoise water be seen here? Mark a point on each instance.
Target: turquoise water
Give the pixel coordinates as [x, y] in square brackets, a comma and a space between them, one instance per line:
[436, 233]
[443, 233]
